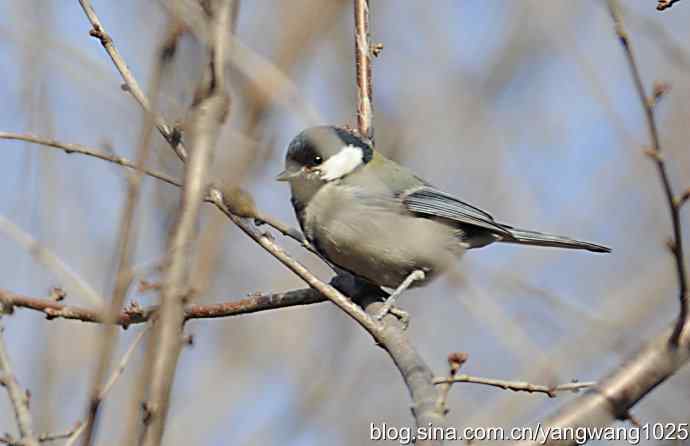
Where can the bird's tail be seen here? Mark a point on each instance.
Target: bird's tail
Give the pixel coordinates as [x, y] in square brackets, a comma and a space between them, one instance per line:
[524, 237]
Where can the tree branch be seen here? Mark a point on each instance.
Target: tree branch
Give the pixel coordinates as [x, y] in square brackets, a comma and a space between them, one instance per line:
[229, 193]
[388, 333]
[97, 31]
[18, 396]
[517, 386]
[654, 153]
[208, 112]
[84, 150]
[126, 243]
[365, 114]
[616, 394]
[135, 314]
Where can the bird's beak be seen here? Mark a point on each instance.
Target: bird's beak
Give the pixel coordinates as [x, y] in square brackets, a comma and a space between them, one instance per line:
[287, 175]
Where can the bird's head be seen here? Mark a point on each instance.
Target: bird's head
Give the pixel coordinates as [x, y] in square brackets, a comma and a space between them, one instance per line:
[319, 155]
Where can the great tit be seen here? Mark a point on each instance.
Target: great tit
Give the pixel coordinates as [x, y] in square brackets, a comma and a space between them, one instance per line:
[379, 221]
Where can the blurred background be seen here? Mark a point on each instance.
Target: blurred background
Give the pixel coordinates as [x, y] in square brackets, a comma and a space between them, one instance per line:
[524, 108]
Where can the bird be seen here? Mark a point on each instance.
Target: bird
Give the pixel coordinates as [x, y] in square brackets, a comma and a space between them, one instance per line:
[377, 220]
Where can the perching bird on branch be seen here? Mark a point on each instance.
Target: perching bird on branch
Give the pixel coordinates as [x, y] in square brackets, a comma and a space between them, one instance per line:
[378, 220]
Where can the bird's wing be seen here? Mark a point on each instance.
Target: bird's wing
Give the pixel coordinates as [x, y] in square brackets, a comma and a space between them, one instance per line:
[429, 201]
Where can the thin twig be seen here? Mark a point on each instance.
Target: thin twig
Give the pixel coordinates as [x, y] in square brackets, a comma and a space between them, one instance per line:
[18, 396]
[97, 31]
[84, 150]
[43, 438]
[654, 153]
[69, 148]
[612, 397]
[517, 386]
[135, 314]
[363, 69]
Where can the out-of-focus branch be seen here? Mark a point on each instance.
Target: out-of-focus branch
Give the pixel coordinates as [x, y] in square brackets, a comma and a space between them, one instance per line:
[662, 5]
[50, 260]
[18, 396]
[73, 437]
[209, 111]
[654, 153]
[365, 113]
[88, 151]
[517, 386]
[126, 242]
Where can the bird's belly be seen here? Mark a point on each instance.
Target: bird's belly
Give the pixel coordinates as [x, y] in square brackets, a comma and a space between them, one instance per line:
[381, 245]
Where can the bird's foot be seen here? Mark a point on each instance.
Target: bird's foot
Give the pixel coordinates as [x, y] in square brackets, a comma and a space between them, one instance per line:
[388, 304]
[402, 315]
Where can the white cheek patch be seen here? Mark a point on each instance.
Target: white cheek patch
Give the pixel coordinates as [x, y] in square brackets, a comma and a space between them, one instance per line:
[342, 163]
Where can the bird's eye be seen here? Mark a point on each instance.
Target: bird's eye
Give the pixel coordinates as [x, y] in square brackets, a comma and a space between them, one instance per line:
[317, 159]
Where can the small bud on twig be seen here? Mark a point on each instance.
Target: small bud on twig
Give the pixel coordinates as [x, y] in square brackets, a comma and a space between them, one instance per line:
[659, 90]
[456, 360]
[653, 153]
[662, 5]
[57, 294]
[376, 49]
[685, 196]
[239, 202]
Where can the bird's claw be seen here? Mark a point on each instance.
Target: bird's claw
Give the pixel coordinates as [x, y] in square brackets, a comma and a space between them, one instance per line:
[402, 315]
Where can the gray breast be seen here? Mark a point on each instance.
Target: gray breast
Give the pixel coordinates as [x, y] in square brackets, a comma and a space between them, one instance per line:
[375, 237]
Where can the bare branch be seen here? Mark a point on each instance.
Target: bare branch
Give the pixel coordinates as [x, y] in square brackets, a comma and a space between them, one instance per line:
[517, 386]
[43, 438]
[88, 151]
[208, 113]
[97, 31]
[136, 315]
[363, 52]
[654, 153]
[613, 397]
[389, 333]
[18, 396]
[229, 193]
